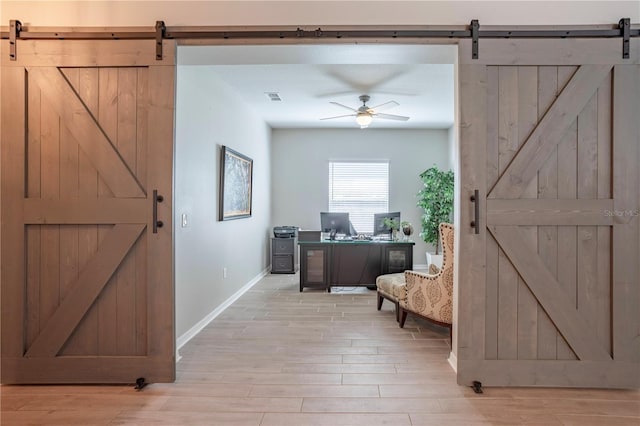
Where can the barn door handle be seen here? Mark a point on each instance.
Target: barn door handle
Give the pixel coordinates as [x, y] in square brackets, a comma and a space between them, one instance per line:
[156, 199]
[475, 199]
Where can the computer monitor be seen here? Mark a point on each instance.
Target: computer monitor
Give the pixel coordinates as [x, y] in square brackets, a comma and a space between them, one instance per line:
[378, 222]
[335, 222]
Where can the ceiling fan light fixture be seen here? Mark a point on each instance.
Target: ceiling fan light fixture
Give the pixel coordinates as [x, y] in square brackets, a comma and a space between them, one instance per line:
[364, 115]
[363, 119]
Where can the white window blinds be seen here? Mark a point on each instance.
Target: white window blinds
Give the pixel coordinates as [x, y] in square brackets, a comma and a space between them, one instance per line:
[360, 189]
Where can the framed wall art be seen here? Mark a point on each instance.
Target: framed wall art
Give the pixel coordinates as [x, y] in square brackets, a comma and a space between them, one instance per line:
[236, 174]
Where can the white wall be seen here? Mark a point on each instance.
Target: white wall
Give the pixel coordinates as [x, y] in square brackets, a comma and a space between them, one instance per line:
[314, 13]
[209, 115]
[300, 170]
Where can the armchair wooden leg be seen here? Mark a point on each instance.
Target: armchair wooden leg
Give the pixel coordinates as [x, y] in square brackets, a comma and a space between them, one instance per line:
[397, 311]
[380, 300]
[403, 316]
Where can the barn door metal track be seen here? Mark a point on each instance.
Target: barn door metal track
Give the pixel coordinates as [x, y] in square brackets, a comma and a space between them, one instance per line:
[472, 31]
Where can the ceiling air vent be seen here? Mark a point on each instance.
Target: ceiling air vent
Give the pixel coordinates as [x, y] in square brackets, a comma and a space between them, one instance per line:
[275, 97]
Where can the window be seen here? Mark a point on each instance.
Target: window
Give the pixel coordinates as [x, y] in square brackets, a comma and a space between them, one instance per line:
[361, 189]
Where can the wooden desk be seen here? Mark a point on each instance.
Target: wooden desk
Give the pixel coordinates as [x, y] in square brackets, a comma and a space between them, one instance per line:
[351, 263]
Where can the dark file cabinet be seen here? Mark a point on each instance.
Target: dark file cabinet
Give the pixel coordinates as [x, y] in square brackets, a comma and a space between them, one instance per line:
[284, 255]
[314, 267]
[397, 258]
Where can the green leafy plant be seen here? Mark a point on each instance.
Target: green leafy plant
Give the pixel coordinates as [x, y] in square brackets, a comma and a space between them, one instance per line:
[392, 224]
[436, 200]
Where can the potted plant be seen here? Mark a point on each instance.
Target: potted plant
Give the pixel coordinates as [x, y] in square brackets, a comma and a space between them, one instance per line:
[407, 229]
[393, 225]
[436, 200]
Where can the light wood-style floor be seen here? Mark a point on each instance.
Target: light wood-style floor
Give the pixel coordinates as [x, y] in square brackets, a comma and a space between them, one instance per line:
[278, 357]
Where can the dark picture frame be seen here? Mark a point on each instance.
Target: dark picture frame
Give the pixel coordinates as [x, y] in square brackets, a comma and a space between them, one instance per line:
[236, 185]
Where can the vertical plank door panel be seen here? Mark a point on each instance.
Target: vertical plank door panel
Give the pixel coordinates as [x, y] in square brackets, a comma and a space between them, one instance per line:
[84, 340]
[469, 339]
[603, 298]
[108, 299]
[127, 148]
[527, 317]
[547, 188]
[142, 144]
[507, 275]
[491, 255]
[13, 190]
[69, 188]
[567, 188]
[50, 234]
[33, 233]
[161, 309]
[587, 243]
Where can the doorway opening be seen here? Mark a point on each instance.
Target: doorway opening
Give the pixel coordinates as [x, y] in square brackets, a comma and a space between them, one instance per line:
[268, 102]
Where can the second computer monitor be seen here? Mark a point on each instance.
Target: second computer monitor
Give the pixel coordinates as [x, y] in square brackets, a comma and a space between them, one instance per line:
[379, 226]
[335, 222]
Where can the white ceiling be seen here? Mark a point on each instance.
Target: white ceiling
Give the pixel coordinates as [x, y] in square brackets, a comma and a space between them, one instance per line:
[307, 78]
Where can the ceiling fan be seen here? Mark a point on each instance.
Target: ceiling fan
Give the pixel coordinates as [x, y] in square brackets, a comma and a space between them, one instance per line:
[365, 114]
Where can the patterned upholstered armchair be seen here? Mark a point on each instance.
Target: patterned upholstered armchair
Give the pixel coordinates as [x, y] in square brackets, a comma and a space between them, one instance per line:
[430, 296]
[393, 288]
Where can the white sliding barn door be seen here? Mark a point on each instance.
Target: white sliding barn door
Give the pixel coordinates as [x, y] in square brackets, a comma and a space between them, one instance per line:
[549, 289]
[87, 286]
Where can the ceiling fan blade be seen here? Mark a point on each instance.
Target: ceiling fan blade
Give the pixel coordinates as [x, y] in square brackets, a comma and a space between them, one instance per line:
[386, 105]
[392, 117]
[338, 116]
[344, 106]
[335, 94]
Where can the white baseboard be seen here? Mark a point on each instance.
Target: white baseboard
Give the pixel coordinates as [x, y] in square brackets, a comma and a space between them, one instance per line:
[193, 331]
[421, 267]
[453, 361]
